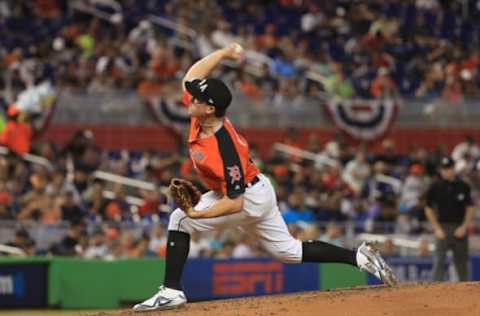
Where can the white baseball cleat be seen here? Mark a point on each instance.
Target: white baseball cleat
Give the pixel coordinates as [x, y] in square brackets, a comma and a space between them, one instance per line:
[370, 260]
[165, 298]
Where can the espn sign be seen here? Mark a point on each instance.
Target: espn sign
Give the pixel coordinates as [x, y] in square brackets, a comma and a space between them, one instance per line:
[6, 285]
[23, 284]
[247, 278]
[12, 284]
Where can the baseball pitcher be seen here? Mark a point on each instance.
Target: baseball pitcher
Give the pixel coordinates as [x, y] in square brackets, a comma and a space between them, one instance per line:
[239, 196]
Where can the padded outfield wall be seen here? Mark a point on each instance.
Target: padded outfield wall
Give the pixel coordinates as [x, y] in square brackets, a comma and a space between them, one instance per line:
[78, 283]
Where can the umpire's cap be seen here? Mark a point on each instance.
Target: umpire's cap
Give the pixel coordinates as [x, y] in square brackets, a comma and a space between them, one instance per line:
[446, 162]
[211, 91]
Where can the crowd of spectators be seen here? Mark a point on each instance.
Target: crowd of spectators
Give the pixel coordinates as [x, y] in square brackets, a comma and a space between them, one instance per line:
[346, 48]
[370, 49]
[356, 191]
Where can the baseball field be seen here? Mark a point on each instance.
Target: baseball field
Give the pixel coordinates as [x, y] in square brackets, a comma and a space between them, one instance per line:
[406, 300]
[458, 299]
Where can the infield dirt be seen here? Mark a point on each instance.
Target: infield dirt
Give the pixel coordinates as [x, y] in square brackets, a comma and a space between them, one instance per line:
[458, 299]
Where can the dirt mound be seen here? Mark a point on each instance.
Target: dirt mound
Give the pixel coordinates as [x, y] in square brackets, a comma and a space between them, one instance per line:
[406, 300]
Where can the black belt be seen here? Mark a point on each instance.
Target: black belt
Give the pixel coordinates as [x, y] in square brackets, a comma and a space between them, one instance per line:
[253, 182]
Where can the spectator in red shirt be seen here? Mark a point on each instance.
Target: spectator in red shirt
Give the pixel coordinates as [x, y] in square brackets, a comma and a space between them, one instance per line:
[17, 135]
[383, 85]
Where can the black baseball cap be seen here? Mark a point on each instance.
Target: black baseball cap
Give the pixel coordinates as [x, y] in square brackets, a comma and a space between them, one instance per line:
[446, 162]
[211, 91]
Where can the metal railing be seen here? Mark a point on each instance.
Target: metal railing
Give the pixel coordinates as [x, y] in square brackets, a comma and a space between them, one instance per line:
[13, 251]
[47, 235]
[107, 176]
[89, 8]
[320, 159]
[132, 182]
[127, 107]
[30, 158]
[401, 241]
[103, 175]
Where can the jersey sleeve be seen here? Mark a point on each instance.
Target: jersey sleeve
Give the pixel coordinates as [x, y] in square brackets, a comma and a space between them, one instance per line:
[430, 196]
[468, 196]
[233, 184]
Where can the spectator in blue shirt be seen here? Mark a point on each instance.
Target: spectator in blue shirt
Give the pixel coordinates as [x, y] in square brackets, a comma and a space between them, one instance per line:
[283, 67]
[297, 212]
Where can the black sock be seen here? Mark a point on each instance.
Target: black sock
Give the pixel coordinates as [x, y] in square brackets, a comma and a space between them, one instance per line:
[319, 251]
[178, 245]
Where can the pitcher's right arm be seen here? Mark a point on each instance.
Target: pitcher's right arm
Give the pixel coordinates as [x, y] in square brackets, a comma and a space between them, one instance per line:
[203, 67]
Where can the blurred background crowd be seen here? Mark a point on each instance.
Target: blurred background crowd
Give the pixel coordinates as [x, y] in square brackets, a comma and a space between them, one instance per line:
[355, 192]
[369, 49]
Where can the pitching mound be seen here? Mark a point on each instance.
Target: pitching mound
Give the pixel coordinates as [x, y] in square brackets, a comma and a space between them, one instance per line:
[406, 300]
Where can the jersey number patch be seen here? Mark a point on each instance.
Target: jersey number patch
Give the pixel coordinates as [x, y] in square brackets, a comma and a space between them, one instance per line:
[234, 173]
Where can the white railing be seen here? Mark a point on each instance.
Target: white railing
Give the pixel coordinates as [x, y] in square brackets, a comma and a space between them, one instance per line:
[171, 25]
[89, 7]
[320, 159]
[111, 177]
[399, 241]
[14, 251]
[30, 158]
[106, 176]
[139, 184]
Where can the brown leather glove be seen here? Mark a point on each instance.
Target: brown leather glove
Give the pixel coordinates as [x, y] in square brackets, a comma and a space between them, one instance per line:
[185, 193]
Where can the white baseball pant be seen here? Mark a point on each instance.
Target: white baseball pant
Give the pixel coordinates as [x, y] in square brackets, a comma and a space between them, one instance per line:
[260, 216]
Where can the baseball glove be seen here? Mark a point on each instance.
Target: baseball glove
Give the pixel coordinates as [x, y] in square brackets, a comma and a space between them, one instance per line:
[185, 193]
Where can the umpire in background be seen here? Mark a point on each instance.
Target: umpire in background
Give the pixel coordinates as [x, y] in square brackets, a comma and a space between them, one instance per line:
[450, 210]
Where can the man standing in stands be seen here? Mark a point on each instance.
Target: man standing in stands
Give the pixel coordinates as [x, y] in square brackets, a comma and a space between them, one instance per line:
[17, 135]
[450, 211]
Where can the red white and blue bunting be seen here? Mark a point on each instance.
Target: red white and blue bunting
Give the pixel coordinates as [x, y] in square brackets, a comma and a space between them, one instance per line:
[365, 120]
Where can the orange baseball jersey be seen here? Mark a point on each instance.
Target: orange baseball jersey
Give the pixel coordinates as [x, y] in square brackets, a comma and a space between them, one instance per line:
[221, 160]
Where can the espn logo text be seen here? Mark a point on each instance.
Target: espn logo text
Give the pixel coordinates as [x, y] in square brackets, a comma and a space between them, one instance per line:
[6, 284]
[12, 284]
[244, 278]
